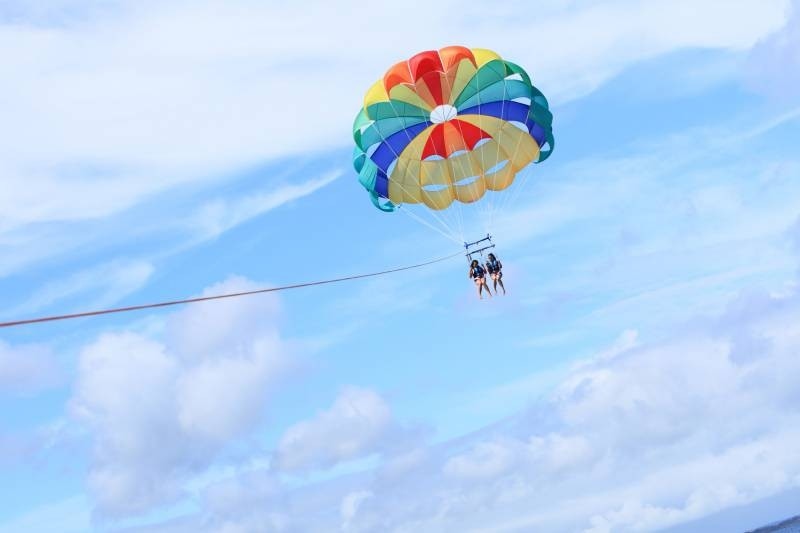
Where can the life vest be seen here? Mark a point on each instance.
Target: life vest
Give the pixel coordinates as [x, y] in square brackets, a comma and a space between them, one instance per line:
[478, 272]
[493, 266]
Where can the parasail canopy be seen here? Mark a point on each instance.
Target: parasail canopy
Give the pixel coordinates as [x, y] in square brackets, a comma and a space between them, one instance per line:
[447, 126]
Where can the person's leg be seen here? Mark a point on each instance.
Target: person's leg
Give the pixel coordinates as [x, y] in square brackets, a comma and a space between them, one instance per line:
[500, 281]
[478, 288]
[486, 286]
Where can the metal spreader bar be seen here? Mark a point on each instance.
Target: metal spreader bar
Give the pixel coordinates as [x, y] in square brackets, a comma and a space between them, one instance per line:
[479, 251]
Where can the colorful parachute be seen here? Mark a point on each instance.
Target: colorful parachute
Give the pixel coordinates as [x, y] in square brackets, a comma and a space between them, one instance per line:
[447, 126]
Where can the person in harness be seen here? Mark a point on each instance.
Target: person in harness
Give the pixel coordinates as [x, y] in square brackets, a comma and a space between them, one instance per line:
[495, 270]
[478, 274]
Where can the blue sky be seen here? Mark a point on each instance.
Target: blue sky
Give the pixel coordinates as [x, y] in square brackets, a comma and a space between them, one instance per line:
[640, 375]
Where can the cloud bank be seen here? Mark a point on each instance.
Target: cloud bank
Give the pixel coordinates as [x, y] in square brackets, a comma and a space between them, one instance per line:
[160, 411]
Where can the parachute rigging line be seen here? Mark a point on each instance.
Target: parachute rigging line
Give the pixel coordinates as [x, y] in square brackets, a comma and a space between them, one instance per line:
[218, 296]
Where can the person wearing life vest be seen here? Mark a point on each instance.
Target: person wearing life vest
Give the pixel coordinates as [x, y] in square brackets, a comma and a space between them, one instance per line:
[495, 270]
[478, 274]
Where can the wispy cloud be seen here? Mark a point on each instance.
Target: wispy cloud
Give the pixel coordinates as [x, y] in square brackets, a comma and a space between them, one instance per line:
[215, 217]
[104, 285]
[122, 119]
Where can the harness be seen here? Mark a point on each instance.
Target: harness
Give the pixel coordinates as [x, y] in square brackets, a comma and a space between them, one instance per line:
[478, 272]
[493, 266]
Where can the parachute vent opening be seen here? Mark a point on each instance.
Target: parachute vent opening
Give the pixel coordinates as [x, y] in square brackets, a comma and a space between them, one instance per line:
[457, 153]
[434, 187]
[519, 125]
[481, 142]
[443, 113]
[522, 100]
[544, 148]
[517, 76]
[498, 167]
[465, 182]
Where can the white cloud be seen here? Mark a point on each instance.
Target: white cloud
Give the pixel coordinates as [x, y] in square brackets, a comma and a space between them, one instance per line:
[491, 459]
[159, 412]
[356, 425]
[202, 331]
[486, 460]
[220, 398]
[124, 395]
[738, 475]
[774, 63]
[232, 498]
[350, 505]
[27, 369]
